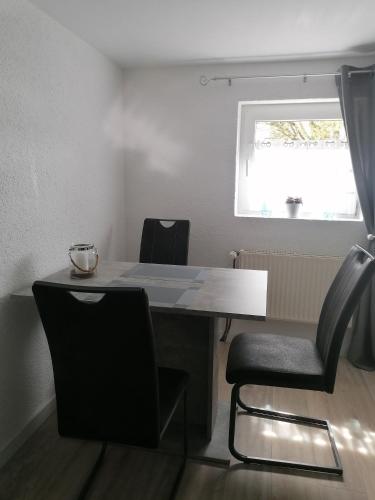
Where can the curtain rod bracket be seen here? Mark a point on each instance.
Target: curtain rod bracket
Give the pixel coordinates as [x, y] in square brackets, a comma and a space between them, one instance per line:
[204, 80]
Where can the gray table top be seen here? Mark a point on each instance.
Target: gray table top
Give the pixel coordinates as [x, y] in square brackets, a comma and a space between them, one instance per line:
[220, 292]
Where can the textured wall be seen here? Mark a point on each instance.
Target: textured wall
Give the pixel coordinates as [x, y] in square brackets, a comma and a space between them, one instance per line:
[61, 181]
[180, 139]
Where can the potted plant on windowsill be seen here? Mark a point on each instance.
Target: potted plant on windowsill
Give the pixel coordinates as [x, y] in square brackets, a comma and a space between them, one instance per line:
[293, 206]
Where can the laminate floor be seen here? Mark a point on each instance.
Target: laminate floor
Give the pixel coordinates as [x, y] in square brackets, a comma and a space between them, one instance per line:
[48, 467]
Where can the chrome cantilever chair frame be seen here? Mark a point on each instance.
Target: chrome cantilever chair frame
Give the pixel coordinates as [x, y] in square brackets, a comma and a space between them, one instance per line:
[282, 417]
[99, 461]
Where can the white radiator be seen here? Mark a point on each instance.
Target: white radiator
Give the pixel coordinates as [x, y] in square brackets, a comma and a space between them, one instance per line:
[297, 284]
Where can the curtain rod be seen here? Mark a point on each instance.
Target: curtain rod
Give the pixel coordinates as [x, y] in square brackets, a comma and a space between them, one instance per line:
[204, 80]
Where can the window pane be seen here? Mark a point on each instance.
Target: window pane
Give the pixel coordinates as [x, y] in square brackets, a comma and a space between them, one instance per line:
[308, 159]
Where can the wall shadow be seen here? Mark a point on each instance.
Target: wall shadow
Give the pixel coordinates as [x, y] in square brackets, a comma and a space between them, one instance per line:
[26, 384]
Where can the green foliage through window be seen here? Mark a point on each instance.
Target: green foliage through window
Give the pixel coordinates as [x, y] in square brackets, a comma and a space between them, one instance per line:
[307, 130]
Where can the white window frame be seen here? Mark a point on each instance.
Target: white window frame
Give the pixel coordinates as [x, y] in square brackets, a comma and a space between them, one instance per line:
[249, 112]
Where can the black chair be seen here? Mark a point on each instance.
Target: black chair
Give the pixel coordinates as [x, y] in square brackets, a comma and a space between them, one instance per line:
[298, 363]
[165, 244]
[108, 385]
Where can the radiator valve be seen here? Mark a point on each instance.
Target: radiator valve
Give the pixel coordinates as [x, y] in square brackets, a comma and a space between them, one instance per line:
[234, 254]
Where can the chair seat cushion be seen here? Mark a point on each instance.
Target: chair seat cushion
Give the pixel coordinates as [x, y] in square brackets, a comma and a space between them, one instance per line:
[172, 383]
[275, 360]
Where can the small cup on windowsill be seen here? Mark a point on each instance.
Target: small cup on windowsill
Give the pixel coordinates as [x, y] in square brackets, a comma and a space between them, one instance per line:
[293, 206]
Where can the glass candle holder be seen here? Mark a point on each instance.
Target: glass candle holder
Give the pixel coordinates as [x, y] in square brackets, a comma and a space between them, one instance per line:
[84, 259]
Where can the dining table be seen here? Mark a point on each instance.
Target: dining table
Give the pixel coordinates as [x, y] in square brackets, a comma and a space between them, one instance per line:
[187, 303]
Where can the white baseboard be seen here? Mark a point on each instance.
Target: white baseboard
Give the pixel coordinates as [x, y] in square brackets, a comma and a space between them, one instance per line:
[10, 449]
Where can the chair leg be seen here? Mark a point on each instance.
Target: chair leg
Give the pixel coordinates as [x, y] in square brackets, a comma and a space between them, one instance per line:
[186, 428]
[91, 477]
[285, 417]
[181, 470]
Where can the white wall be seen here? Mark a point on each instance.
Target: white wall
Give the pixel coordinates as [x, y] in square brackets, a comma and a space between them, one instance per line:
[180, 140]
[61, 181]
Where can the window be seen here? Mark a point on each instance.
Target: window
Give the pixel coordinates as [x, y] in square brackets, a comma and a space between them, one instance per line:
[294, 149]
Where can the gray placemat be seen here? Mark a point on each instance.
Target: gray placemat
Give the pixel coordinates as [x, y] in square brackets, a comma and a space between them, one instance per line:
[163, 295]
[202, 276]
[162, 271]
[187, 298]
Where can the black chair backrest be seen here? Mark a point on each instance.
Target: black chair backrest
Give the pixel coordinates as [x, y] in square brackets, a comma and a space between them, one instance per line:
[167, 244]
[104, 362]
[342, 298]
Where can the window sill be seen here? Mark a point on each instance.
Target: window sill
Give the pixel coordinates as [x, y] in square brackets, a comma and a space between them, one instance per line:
[301, 218]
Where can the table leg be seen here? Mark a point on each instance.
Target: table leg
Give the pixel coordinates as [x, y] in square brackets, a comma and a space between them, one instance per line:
[190, 343]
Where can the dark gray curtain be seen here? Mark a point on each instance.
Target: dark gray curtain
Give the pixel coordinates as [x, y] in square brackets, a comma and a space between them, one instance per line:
[357, 99]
